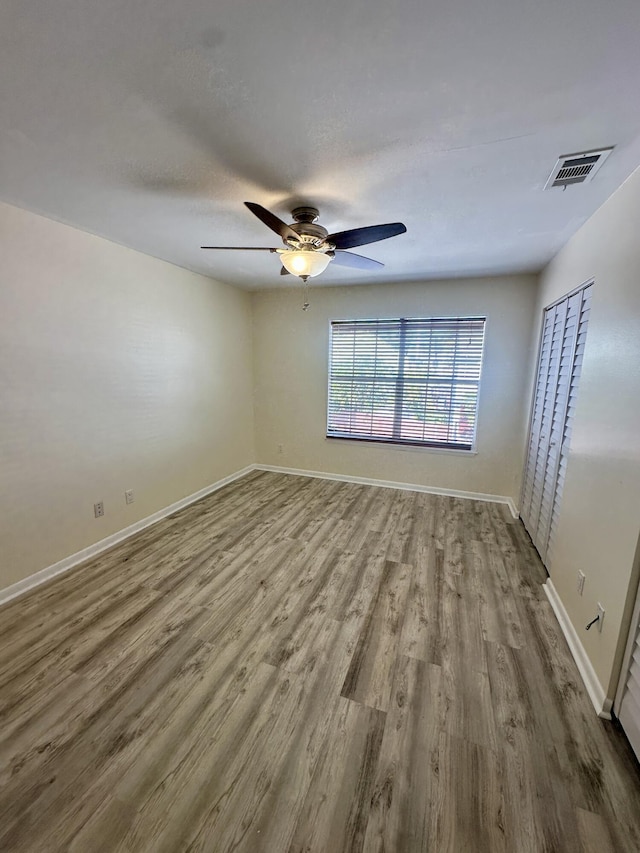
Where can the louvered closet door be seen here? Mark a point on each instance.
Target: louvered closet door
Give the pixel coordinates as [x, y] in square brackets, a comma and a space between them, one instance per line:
[576, 358]
[629, 710]
[526, 502]
[563, 334]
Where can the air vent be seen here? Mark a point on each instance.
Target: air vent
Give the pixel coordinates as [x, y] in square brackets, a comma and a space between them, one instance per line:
[577, 168]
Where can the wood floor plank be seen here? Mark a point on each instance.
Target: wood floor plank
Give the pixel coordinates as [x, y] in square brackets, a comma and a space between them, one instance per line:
[370, 676]
[401, 534]
[529, 758]
[420, 626]
[407, 775]
[307, 737]
[421, 541]
[594, 834]
[470, 811]
[499, 616]
[459, 632]
[360, 580]
[335, 811]
[298, 664]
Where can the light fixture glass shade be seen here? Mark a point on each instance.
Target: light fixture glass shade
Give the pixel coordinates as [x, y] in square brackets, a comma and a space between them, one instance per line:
[307, 263]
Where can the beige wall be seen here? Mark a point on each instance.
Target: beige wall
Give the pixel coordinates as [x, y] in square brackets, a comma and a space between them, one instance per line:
[599, 519]
[291, 353]
[117, 371]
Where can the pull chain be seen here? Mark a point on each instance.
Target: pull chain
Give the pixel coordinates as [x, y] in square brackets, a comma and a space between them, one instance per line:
[305, 295]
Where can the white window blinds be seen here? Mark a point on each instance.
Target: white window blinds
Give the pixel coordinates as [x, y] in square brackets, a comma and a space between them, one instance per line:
[406, 381]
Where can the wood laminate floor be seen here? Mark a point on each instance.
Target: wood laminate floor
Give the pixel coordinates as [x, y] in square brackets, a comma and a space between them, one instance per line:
[299, 665]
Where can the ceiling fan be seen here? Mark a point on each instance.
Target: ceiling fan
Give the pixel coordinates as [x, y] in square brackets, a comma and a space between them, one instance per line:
[309, 248]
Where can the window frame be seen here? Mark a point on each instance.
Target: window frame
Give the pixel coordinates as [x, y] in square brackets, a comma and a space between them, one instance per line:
[399, 443]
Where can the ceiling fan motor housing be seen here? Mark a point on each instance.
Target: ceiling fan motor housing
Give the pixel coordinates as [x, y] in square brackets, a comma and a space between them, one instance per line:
[309, 233]
[304, 225]
[305, 213]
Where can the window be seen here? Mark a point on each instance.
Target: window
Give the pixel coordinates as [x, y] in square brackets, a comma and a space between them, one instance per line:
[406, 381]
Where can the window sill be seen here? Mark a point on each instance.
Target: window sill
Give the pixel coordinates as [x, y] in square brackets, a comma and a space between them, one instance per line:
[412, 448]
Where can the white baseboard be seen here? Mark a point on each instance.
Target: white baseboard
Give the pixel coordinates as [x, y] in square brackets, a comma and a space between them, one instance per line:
[73, 560]
[585, 668]
[388, 484]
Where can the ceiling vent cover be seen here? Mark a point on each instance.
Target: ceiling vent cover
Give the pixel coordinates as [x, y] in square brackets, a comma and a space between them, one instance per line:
[577, 168]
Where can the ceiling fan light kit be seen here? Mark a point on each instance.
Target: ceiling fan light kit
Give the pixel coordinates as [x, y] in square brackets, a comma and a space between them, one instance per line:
[309, 248]
[305, 263]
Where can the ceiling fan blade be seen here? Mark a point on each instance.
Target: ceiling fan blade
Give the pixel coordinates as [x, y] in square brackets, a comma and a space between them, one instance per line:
[241, 248]
[350, 259]
[284, 271]
[361, 236]
[272, 221]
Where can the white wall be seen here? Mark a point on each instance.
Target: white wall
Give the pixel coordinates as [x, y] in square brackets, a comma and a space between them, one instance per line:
[291, 354]
[117, 371]
[599, 519]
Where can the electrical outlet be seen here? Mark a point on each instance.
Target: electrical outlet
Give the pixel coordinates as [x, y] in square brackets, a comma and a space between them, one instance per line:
[128, 496]
[601, 615]
[580, 583]
[281, 448]
[98, 509]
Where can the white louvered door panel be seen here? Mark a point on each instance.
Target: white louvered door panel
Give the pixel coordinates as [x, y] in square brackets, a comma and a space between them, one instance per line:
[558, 407]
[540, 470]
[548, 367]
[629, 711]
[556, 384]
[536, 414]
[583, 306]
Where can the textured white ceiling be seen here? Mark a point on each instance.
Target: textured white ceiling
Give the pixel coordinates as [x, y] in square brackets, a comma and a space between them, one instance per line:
[151, 122]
